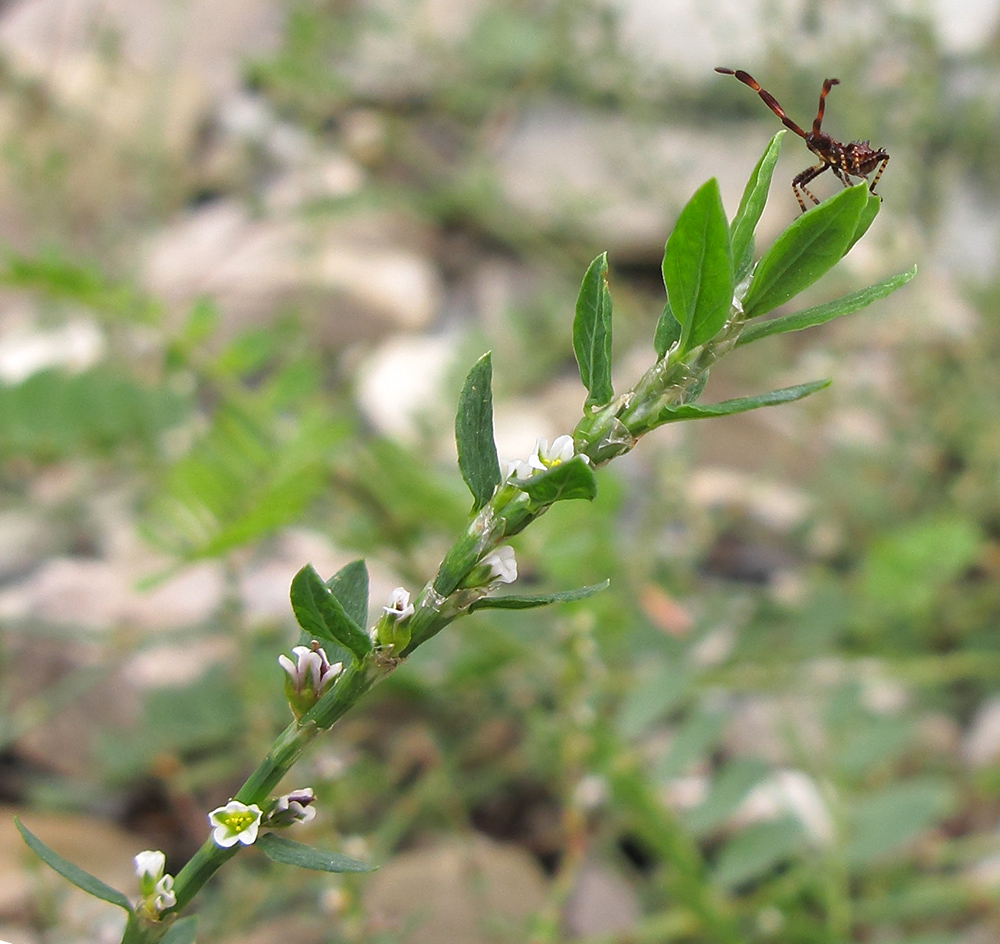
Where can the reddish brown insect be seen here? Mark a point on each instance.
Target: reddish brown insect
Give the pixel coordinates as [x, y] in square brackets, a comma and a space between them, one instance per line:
[856, 159]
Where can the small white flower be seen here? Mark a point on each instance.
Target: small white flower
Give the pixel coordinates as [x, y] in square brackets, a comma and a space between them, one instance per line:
[235, 822]
[164, 897]
[399, 604]
[311, 669]
[149, 866]
[517, 469]
[546, 456]
[156, 888]
[502, 564]
[294, 807]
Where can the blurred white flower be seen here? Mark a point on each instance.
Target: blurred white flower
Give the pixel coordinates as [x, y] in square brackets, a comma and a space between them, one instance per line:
[516, 469]
[502, 564]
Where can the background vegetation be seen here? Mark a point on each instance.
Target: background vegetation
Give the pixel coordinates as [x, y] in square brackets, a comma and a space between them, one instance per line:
[781, 721]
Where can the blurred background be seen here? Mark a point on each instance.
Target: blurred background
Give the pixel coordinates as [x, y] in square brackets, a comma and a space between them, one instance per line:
[250, 250]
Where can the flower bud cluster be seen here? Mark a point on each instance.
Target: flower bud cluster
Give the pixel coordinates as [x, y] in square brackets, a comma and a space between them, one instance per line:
[156, 888]
[307, 677]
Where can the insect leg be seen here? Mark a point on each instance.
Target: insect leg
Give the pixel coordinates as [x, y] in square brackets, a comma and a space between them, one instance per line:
[799, 183]
[878, 173]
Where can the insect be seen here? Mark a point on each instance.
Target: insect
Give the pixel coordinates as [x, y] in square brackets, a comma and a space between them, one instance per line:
[856, 159]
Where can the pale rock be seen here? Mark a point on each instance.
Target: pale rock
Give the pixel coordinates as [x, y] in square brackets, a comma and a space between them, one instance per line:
[402, 382]
[222, 252]
[453, 891]
[26, 347]
[776, 505]
[622, 183]
[264, 583]
[602, 902]
[857, 429]
[760, 726]
[207, 39]
[686, 793]
[981, 745]
[177, 665]
[394, 282]
[100, 595]
[357, 276]
[330, 177]
[24, 539]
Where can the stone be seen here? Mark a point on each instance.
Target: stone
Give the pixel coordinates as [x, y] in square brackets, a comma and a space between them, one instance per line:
[24, 539]
[26, 347]
[602, 902]
[622, 183]
[402, 383]
[208, 39]
[355, 277]
[981, 744]
[454, 890]
[101, 595]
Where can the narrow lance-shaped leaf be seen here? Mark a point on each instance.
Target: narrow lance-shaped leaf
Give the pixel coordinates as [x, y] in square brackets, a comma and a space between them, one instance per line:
[350, 586]
[529, 601]
[321, 614]
[592, 332]
[820, 314]
[182, 931]
[698, 267]
[697, 411]
[288, 852]
[867, 217]
[477, 452]
[70, 872]
[668, 331]
[752, 205]
[568, 480]
[810, 246]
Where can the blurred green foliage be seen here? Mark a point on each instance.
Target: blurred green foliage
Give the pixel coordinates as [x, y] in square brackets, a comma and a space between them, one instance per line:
[888, 635]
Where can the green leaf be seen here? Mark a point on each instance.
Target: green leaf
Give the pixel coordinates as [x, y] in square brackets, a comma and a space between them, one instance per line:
[563, 482]
[56, 277]
[70, 872]
[814, 243]
[659, 693]
[531, 600]
[698, 267]
[321, 614]
[477, 452]
[697, 411]
[868, 215]
[907, 571]
[821, 314]
[668, 331]
[757, 850]
[752, 205]
[694, 739]
[887, 820]
[350, 586]
[53, 414]
[182, 932]
[288, 852]
[592, 332]
[729, 788]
